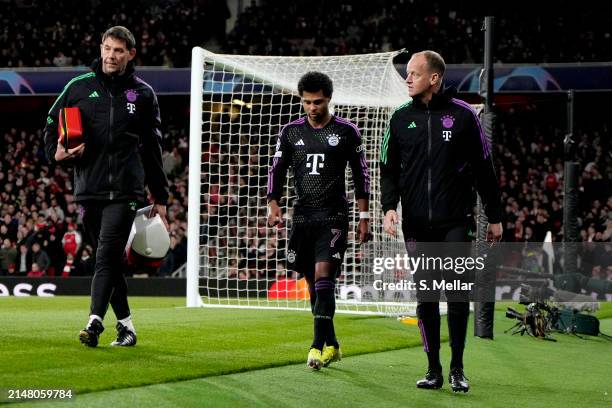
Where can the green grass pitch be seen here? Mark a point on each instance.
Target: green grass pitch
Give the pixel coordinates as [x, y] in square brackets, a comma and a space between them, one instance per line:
[222, 357]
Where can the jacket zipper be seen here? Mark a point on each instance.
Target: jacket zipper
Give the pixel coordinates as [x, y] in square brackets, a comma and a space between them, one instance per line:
[110, 159]
[429, 164]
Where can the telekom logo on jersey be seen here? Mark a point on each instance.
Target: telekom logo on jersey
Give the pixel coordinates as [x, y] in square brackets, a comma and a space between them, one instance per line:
[317, 162]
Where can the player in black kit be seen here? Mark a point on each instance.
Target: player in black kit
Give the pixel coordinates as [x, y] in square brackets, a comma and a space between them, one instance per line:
[318, 147]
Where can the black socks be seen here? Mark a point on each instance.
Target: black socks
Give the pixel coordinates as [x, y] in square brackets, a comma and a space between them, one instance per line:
[458, 315]
[323, 311]
[429, 325]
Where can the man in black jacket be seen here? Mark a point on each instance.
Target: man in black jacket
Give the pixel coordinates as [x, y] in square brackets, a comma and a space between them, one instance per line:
[120, 154]
[432, 153]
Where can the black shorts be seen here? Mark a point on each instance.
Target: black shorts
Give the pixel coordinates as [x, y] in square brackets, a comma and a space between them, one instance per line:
[316, 240]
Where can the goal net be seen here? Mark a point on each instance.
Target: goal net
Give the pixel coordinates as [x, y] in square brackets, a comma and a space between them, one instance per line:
[238, 105]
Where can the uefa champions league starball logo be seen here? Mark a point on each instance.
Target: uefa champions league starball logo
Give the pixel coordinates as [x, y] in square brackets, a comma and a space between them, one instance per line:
[448, 121]
[131, 95]
[16, 82]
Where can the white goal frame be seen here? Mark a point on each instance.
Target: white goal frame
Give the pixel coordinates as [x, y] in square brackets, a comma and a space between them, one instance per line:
[387, 94]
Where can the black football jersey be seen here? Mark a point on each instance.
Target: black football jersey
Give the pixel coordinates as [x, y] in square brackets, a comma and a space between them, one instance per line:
[318, 158]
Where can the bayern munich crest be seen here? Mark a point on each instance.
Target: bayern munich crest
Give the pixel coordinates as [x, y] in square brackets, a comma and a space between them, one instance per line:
[333, 140]
[131, 95]
[291, 256]
[448, 121]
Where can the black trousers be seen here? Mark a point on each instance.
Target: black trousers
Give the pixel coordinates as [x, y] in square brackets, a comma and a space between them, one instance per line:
[428, 306]
[107, 226]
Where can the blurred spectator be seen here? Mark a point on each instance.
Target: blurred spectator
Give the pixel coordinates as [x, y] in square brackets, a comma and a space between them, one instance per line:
[69, 266]
[40, 258]
[11, 270]
[57, 257]
[176, 256]
[36, 271]
[172, 161]
[84, 265]
[71, 241]
[8, 256]
[61, 60]
[25, 260]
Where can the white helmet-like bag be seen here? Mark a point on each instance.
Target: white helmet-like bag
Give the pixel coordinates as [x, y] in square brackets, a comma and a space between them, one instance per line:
[149, 240]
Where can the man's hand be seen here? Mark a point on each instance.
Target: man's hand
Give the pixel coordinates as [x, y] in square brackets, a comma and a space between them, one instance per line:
[62, 154]
[275, 215]
[389, 222]
[494, 232]
[161, 210]
[363, 229]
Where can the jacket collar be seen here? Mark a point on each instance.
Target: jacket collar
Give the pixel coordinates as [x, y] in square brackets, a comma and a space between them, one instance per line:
[127, 76]
[439, 99]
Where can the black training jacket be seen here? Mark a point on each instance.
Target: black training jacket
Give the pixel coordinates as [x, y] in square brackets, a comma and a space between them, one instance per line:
[121, 126]
[430, 157]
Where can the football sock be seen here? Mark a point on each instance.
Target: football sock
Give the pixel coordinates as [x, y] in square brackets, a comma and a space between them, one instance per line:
[92, 318]
[313, 298]
[331, 337]
[456, 357]
[323, 311]
[331, 334]
[458, 315]
[433, 359]
[127, 322]
[429, 326]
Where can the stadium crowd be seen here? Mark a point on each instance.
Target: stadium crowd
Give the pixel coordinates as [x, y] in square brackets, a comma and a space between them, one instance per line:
[41, 231]
[299, 28]
[50, 36]
[41, 225]
[57, 38]
[530, 161]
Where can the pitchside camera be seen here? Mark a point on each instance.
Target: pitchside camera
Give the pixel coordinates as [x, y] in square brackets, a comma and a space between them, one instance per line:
[534, 294]
[539, 316]
[513, 314]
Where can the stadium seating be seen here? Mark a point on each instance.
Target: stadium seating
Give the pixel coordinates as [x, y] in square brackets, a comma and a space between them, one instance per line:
[55, 38]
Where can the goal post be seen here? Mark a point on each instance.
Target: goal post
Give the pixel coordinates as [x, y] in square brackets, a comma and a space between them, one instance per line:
[194, 181]
[238, 105]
